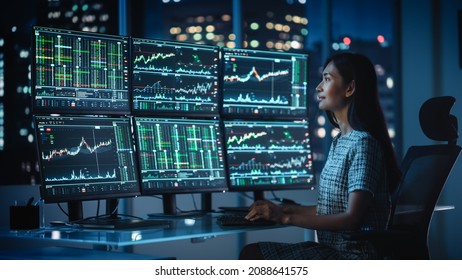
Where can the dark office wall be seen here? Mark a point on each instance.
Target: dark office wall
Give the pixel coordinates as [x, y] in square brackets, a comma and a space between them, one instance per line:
[430, 67]
[19, 12]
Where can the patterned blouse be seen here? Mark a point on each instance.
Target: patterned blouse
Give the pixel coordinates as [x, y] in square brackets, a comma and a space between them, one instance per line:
[355, 162]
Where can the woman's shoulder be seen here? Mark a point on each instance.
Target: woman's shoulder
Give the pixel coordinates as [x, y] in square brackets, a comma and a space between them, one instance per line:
[358, 135]
[360, 138]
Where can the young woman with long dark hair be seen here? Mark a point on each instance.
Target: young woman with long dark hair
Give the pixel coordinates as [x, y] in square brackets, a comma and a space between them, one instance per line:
[359, 175]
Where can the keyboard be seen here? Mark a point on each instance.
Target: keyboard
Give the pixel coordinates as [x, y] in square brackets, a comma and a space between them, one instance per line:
[234, 209]
[240, 220]
[122, 223]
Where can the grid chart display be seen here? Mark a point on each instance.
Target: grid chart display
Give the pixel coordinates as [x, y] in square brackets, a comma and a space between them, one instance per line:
[264, 84]
[173, 77]
[180, 155]
[268, 154]
[86, 158]
[77, 72]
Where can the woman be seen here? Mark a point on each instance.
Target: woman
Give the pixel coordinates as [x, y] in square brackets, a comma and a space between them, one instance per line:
[359, 175]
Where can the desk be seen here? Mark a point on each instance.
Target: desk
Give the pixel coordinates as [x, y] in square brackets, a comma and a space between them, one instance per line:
[200, 228]
[70, 253]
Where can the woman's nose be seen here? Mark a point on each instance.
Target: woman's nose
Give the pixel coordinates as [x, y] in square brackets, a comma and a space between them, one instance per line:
[319, 87]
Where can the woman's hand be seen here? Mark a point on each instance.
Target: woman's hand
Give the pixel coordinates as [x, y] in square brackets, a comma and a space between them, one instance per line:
[263, 209]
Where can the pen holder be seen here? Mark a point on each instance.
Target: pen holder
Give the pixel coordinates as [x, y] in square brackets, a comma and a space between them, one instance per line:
[24, 217]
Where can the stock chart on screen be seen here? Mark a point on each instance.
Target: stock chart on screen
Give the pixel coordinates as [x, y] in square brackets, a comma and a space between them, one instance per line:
[264, 84]
[86, 158]
[80, 72]
[173, 77]
[268, 154]
[180, 155]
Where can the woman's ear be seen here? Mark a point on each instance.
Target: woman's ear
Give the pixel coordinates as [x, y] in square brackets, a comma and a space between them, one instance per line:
[350, 89]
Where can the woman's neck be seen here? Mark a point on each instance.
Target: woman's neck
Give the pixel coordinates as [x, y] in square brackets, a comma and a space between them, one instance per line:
[343, 123]
[345, 129]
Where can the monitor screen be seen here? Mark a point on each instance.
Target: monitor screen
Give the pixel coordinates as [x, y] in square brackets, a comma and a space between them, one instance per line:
[268, 155]
[173, 77]
[264, 84]
[79, 72]
[180, 155]
[86, 158]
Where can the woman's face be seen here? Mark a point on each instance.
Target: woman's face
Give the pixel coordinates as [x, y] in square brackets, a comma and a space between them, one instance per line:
[331, 91]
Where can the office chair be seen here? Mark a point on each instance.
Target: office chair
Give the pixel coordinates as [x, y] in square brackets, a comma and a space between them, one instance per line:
[425, 170]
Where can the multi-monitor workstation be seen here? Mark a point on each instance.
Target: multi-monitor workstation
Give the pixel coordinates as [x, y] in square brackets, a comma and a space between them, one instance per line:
[119, 117]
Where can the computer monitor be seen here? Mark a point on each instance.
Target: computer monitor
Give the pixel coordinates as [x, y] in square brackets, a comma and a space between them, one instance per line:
[174, 78]
[264, 84]
[178, 156]
[79, 72]
[85, 158]
[268, 155]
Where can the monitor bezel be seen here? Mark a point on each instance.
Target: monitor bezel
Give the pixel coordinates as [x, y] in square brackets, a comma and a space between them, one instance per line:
[78, 111]
[92, 196]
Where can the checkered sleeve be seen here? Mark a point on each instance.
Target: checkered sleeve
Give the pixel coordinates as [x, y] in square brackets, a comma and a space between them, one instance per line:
[366, 165]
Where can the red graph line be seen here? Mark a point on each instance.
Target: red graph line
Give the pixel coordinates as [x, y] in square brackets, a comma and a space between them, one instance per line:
[69, 152]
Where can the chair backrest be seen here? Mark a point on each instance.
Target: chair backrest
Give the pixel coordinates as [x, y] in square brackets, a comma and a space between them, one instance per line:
[425, 171]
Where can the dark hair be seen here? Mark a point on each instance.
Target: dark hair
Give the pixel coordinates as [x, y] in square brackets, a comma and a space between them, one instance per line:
[365, 112]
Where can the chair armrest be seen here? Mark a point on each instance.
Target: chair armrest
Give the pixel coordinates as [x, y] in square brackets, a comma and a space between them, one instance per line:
[385, 242]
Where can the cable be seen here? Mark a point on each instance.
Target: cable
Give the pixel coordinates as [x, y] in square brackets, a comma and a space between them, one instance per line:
[60, 207]
[97, 207]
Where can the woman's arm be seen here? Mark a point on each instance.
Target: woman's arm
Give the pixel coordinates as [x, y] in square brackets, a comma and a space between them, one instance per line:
[305, 216]
[300, 209]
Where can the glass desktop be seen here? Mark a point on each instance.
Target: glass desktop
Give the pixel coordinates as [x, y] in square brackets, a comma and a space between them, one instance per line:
[200, 228]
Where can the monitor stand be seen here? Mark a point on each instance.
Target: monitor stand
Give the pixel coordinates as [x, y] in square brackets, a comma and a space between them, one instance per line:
[111, 208]
[171, 212]
[112, 220]
[75, 210]
[258, 195]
